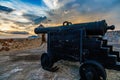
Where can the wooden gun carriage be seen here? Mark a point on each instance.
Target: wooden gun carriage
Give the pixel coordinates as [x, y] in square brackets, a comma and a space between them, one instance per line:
[80, 42]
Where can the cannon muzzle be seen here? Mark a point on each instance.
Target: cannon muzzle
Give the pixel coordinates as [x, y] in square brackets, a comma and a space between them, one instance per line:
[112, 27]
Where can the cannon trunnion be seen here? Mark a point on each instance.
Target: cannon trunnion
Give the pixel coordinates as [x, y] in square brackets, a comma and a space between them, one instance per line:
[80, 42]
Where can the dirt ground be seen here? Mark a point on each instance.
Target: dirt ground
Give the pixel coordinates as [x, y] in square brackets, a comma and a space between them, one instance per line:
[24, 64]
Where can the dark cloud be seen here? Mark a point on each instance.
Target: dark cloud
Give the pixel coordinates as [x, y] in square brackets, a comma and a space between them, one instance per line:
[39, 20]
[30, 16]
[15, 32]
[87, 10]
[5, 9]
[19, 32]
[91, 6]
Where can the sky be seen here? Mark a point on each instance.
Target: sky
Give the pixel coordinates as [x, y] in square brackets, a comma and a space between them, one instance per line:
[58, 11]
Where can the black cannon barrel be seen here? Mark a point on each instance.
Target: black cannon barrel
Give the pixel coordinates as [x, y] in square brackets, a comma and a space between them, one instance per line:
[92, 28]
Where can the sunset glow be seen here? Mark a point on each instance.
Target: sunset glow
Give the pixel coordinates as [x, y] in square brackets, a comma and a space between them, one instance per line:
[25, 15]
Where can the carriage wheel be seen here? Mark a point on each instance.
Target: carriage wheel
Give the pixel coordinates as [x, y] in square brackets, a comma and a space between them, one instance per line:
[47, 63]
[92, 70]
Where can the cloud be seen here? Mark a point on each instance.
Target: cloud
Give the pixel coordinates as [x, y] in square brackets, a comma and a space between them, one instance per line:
[5, 9]
[24, 7]
[56, 4]
[14, 17]
[51, 4]
[21, 8]
[57, 11]
[78, 11]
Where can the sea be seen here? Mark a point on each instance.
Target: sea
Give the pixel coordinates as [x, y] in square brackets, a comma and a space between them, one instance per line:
[10, 36]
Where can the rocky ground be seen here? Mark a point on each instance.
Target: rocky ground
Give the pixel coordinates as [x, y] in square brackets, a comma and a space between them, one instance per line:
[18, 44]
[22, 62]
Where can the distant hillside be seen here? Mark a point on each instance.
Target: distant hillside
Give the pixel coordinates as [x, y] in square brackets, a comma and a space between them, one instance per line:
[113, 36]
[117, 33]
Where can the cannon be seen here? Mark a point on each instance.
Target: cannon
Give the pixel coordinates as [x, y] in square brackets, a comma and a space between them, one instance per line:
[82, 43]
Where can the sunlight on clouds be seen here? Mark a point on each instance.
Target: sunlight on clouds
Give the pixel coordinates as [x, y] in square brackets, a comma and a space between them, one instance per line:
[8, 21]
[24, 7]
[57, 11]
[78, 11]
[17, 13]
[56, 4]
[21, 8]
[52, 4]
[14, 17]
[7, 26]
